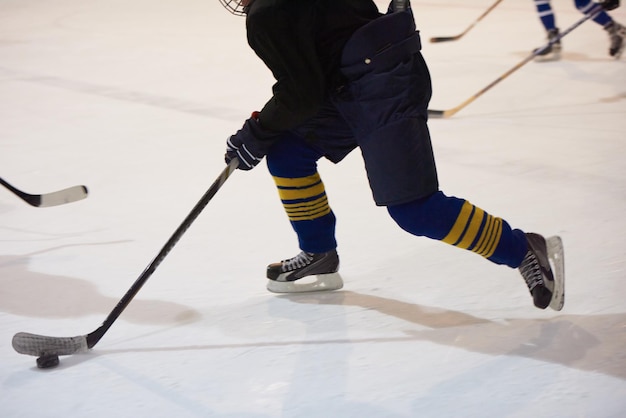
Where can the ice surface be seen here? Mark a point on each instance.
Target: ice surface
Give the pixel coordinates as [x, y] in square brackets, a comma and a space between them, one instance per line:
[135, 100]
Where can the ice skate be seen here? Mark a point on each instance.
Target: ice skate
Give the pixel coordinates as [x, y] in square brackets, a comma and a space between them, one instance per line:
[306, 272]
[543, 271]
[617, 33]
[553, 51]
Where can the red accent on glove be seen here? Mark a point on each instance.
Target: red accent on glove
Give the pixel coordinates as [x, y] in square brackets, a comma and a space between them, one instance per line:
[255, 115]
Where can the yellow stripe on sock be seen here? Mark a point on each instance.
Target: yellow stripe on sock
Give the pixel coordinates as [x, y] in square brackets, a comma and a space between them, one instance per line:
[473, 228]
[304, 206]
[297, 182]
[467, 228]
[307, 210]
[309, 216]
[459, 226]
[492, 243]
[308, 193]
[299, 188]
[483, 242]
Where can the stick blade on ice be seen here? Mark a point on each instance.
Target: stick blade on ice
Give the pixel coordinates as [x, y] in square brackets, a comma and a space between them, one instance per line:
[436, 39]
[61, 197]
[460, 35]
[37, 345]
[442, 114]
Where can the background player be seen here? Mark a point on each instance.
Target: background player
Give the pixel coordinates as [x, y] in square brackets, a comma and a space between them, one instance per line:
[616, 32]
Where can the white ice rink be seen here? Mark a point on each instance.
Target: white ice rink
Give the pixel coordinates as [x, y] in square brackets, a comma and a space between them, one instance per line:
[135, 99]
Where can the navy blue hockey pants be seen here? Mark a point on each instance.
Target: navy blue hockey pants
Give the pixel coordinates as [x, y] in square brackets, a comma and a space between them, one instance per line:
[382, 110]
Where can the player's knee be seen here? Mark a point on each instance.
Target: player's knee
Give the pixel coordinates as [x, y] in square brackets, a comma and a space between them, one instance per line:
[291, 157]
[426, 216]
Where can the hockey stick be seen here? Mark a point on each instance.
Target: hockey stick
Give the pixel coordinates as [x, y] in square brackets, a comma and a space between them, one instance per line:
[400, 5]
[449, 112]
[460, 35]
[40, 345]
[69, 195]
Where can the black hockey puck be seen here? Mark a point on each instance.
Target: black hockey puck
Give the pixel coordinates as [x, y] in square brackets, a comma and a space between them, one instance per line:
[48, 361]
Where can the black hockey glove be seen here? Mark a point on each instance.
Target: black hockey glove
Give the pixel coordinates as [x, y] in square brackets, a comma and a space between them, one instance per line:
[249, 144]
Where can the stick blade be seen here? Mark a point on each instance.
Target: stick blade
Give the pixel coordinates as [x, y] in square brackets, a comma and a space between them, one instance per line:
[38, 345]
[436, 114]
[61, 197]
[436, 39]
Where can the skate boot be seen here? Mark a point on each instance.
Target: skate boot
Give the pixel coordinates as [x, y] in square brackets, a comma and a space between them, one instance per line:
[546, 286]
[292, 275]
[617, 33]
[553, 51]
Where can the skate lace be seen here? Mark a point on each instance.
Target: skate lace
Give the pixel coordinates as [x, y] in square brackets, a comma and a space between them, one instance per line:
[301, 260]
[531, 271]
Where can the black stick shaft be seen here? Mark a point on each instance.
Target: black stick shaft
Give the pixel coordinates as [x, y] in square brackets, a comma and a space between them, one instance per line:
[59, 197]
[95, 336]
[32, 200]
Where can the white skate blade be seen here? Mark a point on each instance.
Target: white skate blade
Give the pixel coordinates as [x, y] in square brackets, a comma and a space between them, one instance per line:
[557, 262]
[318, 283]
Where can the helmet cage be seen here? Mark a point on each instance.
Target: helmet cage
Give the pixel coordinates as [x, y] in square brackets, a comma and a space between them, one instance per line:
[235, 7]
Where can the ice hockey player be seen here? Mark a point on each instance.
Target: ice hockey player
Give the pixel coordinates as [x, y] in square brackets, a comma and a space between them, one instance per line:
[616, 32]
[349, 76]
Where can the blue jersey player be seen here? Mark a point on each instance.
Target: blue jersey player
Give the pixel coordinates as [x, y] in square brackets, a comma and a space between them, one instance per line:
[348, 76]
[616, 32]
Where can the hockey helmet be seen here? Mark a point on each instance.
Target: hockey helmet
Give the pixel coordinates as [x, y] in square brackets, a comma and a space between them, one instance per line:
[237, 7]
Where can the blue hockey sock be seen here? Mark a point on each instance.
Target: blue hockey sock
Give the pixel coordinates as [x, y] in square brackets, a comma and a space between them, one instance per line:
[457, 222]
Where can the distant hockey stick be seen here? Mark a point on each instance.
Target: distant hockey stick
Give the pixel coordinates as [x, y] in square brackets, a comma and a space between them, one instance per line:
[40, 345]
[69, 195]
[460, 35]
[449, 112]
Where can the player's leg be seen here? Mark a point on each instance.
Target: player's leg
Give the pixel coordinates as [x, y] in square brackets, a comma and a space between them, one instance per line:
[292, 162]
[457, 222]
[548, 20]
[616, 32]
